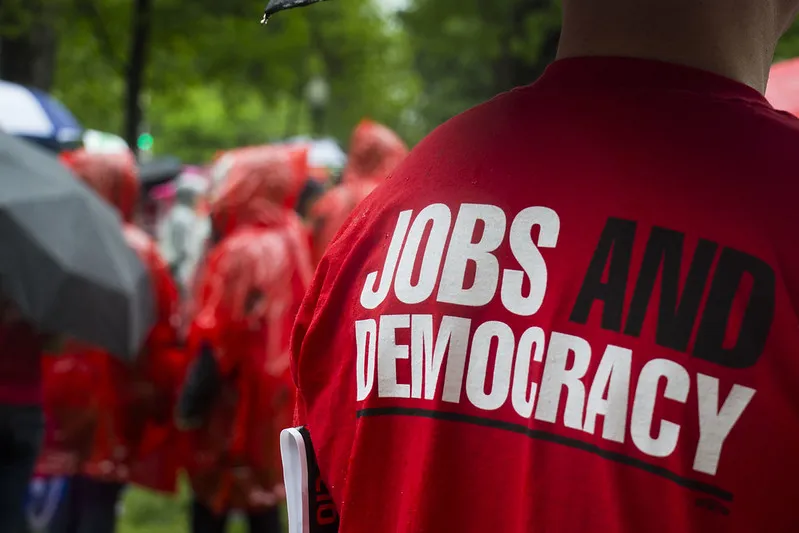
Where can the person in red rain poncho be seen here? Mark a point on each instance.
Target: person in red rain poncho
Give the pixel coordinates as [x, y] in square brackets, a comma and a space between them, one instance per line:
[375, 151]
[110, 422]
[238, 394]
[303, 187]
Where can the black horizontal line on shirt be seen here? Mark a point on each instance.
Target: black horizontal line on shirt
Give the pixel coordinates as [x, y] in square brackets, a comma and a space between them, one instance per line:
[538, 434]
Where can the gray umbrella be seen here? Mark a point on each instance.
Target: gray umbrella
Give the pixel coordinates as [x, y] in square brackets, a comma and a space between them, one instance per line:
[64, 260]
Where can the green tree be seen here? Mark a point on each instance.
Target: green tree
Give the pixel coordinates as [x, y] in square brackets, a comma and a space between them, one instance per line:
[28, 41]
[789, 45]
[467, 51]
[215, 78]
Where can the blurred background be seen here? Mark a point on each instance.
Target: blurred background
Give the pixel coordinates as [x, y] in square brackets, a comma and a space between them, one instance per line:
[191, 79]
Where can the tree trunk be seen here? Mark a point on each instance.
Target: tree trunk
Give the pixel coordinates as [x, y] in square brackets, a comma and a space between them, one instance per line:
[136, 67]
[510, 70]
[28, 57]
[16, 60]
[45, 45]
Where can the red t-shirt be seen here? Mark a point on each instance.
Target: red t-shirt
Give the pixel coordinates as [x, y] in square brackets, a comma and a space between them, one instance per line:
[572, 309]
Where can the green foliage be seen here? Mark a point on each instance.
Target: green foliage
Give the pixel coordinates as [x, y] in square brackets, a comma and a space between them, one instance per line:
[146, 512]
[467, 51]
[217, 79]
[789, 45]
[15, 18]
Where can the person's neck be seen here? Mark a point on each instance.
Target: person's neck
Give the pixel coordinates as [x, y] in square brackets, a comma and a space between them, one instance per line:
[743, 52]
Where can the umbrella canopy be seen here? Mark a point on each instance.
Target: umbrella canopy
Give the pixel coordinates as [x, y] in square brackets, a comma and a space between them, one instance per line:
[323, 152]
[101, 142]
[159, 171]
[35, 115]
[191, 182]
[64, 260]
[275, 6]
[783, 86]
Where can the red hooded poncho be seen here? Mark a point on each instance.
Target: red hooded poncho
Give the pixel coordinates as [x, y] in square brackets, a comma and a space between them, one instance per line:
[246, 301]
[109, 419]
[295, 168]
[375, 151]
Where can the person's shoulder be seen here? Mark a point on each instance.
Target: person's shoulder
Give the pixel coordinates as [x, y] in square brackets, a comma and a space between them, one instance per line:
[250, 251]
[141, 242]
[480, 122]
[771, 138]
[248, 238]
[146, 247]
[781, 127]
[136, 235]
[332, 200]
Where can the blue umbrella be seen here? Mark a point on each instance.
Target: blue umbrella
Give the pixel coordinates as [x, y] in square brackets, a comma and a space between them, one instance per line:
[35, 115]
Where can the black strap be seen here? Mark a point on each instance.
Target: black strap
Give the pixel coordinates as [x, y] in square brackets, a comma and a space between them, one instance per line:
[322, 512]
[200, 389]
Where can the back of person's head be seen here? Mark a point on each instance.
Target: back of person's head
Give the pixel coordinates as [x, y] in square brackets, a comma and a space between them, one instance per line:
[310, 194]
[775, 16]
[114, 177]
[781, 11]
[375, 150]
[733, 38]
[258, 189]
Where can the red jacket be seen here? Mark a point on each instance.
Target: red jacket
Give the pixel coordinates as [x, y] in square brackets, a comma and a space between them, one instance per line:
[250, 292]
[108, 419]
[124, 424]
[247, 297]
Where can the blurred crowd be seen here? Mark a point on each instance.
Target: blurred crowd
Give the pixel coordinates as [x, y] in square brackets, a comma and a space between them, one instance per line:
[230, 256]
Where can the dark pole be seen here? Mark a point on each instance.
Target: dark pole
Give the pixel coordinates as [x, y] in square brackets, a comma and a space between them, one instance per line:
[137, 63]
[318, 119]
[28, 55]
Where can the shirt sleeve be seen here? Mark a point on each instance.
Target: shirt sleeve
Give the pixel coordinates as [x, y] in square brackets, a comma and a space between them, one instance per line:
[298, 345]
